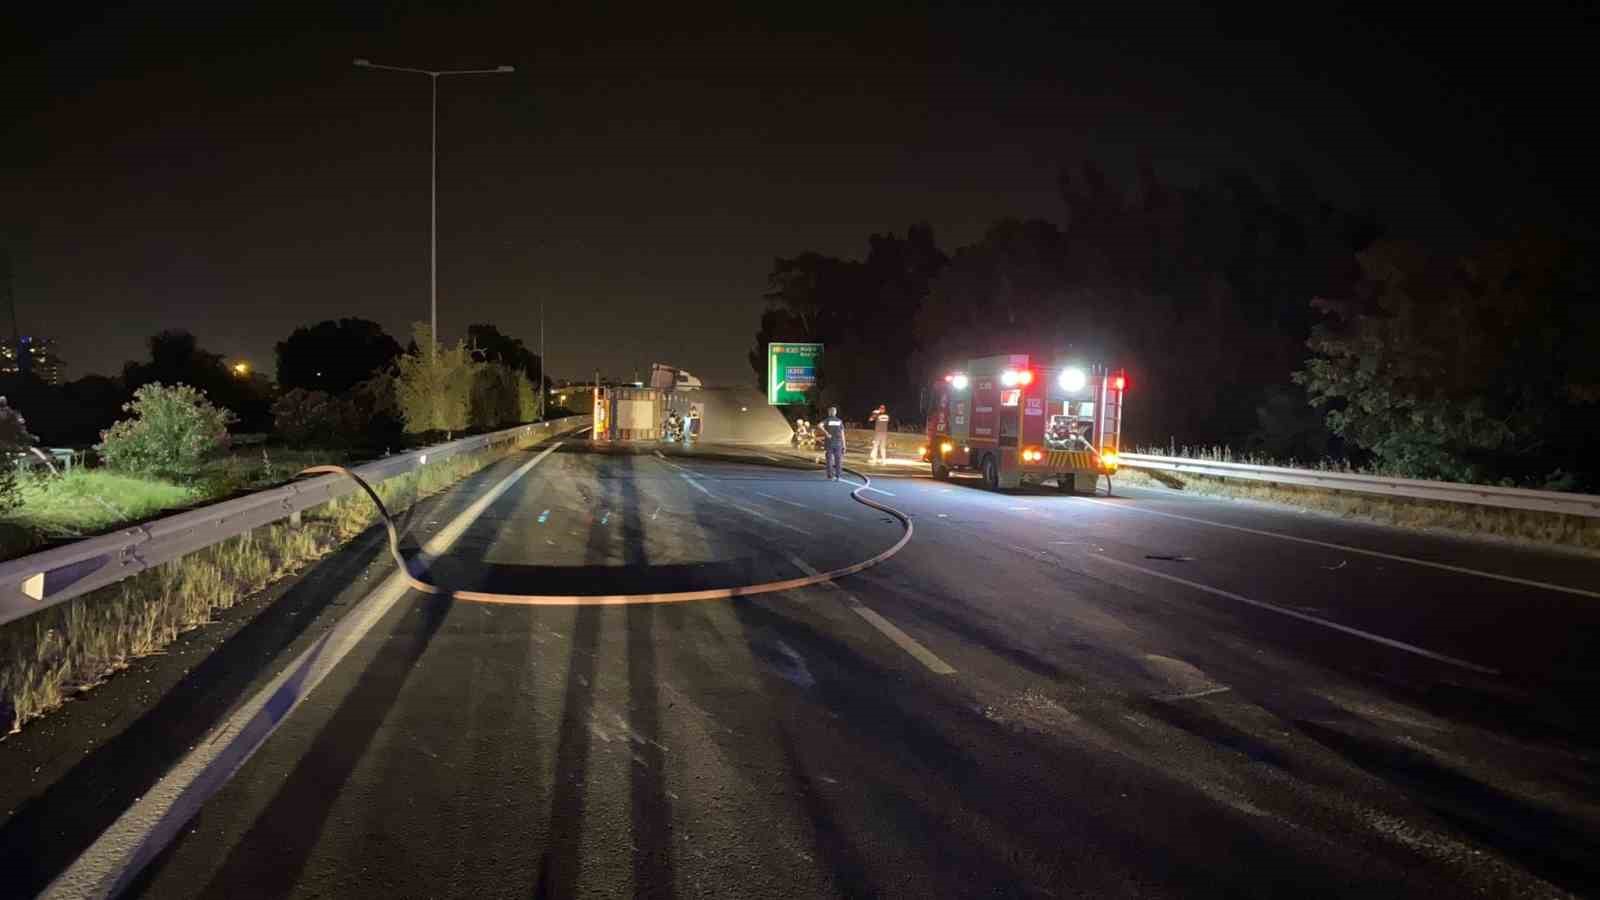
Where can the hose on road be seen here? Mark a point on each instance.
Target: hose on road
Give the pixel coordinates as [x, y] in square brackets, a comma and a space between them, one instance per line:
[768, 587]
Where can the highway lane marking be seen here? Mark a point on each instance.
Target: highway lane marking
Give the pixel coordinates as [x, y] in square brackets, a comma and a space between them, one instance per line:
[803, 506]
[116, 857]
[885, 627]
[1272, 607]
[764, 517]
[781, 500]
[697, 485]
[1461, 570]
[741, 507]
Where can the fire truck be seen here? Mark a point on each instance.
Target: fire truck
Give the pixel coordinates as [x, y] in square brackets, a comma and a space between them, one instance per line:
[1012, 419]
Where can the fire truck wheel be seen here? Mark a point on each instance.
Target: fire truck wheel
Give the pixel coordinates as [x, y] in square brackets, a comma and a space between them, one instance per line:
[940, 470]
[991, 474]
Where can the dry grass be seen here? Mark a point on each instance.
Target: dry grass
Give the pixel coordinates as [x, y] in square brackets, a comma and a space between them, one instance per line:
[1542, 529]
[61, 651]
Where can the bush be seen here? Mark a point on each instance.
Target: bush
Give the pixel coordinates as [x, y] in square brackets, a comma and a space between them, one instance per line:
[366, 416]
[172, 431]
[304, 418]
[14, 439]
[527, 400]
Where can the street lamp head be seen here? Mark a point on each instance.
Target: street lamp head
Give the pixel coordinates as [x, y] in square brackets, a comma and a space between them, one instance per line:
[364, 63]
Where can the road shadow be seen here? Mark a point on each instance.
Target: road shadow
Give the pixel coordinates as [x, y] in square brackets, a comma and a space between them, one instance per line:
[49, 831]
[271, 855]
[1559, 848]
[940, 795]
[649, 806]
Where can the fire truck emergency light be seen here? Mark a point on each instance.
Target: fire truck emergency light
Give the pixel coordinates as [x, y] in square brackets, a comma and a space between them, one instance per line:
[1119, 382]
[1025, 377]
[1072, 380]
[1008, 378]
[957, 381]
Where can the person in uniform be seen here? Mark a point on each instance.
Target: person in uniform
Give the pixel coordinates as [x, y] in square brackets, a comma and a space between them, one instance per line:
[880, 436]
[833, 428]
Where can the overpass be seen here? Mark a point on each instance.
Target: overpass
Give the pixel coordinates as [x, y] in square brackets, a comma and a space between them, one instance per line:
[1149, 694]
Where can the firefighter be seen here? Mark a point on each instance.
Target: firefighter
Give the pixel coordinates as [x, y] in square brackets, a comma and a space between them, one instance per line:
[880, 435]
[833, 427]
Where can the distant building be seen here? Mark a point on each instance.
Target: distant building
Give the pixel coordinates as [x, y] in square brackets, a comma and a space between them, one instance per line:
[31, 354]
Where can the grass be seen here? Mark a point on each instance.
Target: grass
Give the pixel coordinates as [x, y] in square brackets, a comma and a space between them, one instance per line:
[84, 501]
[47, 658]
[89, 501]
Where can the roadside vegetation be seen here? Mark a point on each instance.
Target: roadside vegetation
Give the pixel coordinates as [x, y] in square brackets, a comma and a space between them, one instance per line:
[348, 392]
[162, 438]
[47, 658]
[1468, 520]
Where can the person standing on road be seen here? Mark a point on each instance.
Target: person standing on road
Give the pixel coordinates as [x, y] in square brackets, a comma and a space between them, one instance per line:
[833, 430]
[880, 435]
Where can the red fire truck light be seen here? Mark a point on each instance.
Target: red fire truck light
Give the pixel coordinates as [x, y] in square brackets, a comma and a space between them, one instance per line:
[1119, 382]
[1025, 377]
[958, 381]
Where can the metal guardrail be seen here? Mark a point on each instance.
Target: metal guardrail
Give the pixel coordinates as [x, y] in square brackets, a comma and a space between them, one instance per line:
[1450, 492]
[38, 581]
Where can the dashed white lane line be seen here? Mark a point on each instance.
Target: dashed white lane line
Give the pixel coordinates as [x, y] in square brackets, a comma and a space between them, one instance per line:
[1462, 570]
[885, 627]
[741, 507]
[764, 517]
[147, 827]
[697, 485]
[782, 500]
[803, 506]
[1293, 614]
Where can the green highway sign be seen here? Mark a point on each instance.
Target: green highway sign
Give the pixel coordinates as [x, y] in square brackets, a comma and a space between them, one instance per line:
[792, 373]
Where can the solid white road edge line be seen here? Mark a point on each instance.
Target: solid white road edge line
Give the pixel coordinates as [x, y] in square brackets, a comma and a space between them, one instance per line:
[885, 627]
[1462, 570]
[1272, 607]
[151, 823]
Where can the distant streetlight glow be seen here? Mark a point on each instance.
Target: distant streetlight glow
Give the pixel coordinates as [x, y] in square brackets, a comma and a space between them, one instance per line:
[241, 369]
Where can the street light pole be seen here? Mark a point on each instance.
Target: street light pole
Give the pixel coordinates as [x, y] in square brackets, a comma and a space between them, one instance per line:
[433, 181]
[433, 227]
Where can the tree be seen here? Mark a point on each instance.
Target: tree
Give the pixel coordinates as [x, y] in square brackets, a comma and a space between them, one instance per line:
[177, 358]
[434, 385]
[334, 356]
[863, 311]
[495, 395]
[1474, 369]
[14, 439]
[489, 345]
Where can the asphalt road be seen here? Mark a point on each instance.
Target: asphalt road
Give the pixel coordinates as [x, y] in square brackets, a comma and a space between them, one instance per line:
[1146, 695]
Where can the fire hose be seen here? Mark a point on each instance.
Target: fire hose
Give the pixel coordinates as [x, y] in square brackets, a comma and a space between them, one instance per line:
[749, 590]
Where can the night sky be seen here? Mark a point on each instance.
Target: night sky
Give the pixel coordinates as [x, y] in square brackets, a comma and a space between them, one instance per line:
[233, 174]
